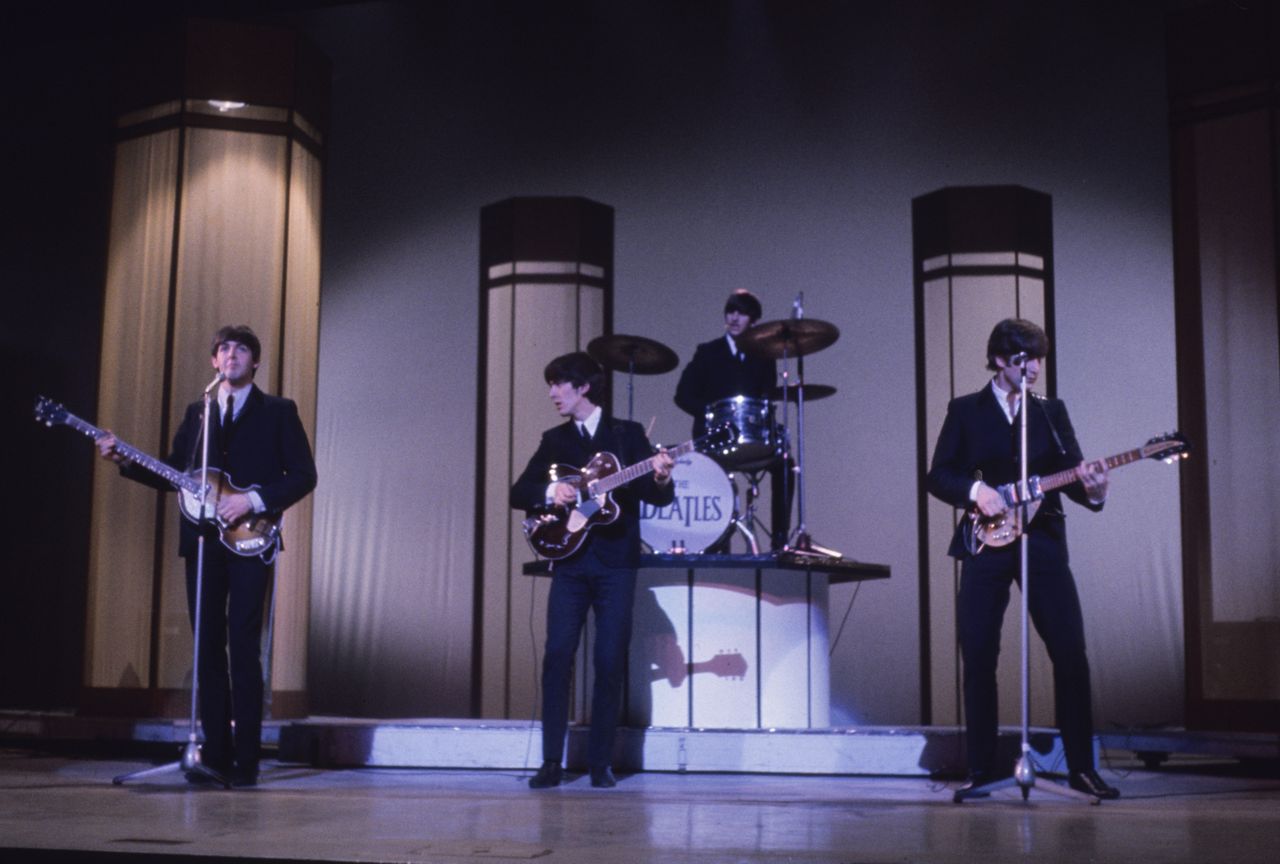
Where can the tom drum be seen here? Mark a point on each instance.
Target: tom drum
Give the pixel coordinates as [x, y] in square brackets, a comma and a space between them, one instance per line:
[759, 440]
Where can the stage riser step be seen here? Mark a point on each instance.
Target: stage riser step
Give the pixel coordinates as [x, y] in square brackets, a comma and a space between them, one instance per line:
[870, 751]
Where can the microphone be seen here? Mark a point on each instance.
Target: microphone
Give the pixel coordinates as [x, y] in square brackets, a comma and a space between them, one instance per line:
[1018, 359]
[217, 379]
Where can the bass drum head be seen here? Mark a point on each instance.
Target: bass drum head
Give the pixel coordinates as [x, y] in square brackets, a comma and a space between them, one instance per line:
[701, 513]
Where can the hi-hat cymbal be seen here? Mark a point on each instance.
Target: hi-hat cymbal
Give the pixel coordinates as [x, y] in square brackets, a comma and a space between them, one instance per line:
[632, 354]
[792, 337]
[812, 392]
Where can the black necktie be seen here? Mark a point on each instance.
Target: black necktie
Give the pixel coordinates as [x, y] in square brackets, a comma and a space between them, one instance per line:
[224, 432]
[582, 431]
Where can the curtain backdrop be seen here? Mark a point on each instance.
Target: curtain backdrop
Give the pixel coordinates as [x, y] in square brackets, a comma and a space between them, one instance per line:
[779, 160]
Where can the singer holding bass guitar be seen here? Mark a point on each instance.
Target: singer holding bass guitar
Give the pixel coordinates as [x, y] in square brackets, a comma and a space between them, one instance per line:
[977, 450]
[258, 441]
[601, 575]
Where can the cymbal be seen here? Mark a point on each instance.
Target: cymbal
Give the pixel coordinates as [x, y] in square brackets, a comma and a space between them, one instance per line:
[812, 392]
[632, 354]
[793, 337]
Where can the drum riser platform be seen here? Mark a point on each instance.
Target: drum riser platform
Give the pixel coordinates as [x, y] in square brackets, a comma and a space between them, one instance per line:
[512, 745]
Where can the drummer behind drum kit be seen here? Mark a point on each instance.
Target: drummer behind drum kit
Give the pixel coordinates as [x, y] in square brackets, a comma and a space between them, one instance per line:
[706, 507]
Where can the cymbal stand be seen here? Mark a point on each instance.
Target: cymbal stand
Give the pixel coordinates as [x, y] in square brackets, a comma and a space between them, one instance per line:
[1024, 772]
[785, 444]
[631, 378]
[190, 761]
[803, 544]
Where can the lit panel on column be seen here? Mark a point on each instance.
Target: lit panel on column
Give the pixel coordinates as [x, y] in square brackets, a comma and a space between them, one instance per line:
[545, 290]
[215, 220]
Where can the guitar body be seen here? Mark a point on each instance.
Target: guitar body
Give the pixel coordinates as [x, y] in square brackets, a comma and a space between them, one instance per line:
[999, 530]
[251, 534]
[560, 533]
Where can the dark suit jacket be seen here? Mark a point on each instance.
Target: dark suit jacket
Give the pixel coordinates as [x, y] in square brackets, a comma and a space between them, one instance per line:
[714, 374]
[976, 437]
[616, 545]
[266, 446]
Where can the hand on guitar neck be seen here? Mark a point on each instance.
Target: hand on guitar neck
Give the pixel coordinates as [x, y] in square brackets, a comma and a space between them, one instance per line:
[1094, 476]
[212, 498]
[582, 496]
[996, 517]
[566, 494]
[230, 507]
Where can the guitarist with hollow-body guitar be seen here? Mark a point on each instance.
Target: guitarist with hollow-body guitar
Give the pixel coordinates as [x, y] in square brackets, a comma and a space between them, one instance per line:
[601, 575]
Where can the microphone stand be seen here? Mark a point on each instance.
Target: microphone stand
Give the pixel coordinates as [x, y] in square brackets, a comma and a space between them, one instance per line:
[1024, 772]
[190, 763]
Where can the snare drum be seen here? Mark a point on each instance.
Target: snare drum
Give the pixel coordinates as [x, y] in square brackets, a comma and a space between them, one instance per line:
[701, 513]
[759, 440]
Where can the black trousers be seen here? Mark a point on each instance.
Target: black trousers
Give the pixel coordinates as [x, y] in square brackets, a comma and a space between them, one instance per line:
[610, 595]
[1054, 606]
[231, 612]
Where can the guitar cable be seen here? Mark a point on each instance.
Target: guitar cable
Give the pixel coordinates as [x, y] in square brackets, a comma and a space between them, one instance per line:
[836, 641]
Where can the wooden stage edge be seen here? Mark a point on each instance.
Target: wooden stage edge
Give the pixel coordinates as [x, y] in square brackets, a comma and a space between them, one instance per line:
[893, 751]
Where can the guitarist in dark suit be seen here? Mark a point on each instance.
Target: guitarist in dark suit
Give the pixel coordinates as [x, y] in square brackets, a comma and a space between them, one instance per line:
[978, 450]
[601, 576]
[258, 440]
[721, 370]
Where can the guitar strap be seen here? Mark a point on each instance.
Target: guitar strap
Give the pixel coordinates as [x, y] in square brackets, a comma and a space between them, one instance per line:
[1062, 451]
[1057, 439]
[609, 437]
[193, 460]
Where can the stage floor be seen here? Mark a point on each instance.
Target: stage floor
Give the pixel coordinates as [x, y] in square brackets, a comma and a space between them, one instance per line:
[59, 806]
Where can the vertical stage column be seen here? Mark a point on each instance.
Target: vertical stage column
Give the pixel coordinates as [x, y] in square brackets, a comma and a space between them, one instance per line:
[981, 254]
[546, 288]
[215, 220]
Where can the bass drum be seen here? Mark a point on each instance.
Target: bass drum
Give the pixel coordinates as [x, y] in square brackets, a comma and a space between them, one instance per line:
[700, 515]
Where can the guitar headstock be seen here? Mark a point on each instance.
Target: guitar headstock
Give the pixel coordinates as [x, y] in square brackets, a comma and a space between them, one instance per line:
[49, 412]
[1169, 447]
[721, 439]
[728, 664]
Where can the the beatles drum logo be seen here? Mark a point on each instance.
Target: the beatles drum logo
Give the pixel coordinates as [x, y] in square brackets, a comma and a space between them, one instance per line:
[700, 513]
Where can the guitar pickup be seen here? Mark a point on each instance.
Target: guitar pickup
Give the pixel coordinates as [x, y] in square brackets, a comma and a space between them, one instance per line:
[250, 546]
[1010, 494]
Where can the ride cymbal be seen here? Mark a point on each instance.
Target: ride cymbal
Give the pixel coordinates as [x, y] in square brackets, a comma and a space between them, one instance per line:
[812, 392]
[790, 337]
[636, 354]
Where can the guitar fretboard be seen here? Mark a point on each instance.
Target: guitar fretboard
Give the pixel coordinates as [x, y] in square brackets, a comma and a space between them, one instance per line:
[1063, 478]
[633, 472]
[133, 454]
